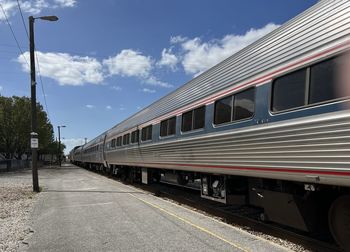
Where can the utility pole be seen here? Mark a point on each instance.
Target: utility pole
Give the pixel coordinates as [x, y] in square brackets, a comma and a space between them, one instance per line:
[34, 143]
[33, 107]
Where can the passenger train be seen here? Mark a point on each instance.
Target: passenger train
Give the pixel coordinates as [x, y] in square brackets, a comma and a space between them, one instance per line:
[267, 127]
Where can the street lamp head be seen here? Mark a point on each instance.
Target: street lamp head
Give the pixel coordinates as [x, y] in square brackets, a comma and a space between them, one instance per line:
[49, 18]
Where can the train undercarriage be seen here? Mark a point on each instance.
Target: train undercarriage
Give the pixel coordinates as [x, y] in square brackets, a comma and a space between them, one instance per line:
[318, 210]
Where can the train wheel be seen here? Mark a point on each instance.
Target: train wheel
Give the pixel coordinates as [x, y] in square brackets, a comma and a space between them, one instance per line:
[339, 221]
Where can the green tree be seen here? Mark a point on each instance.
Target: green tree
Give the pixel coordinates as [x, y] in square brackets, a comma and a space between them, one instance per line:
[7, 132]
[52, 150]
[15, 127]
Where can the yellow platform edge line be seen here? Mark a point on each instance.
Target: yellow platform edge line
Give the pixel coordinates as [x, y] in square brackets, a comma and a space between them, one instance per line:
[191, 224]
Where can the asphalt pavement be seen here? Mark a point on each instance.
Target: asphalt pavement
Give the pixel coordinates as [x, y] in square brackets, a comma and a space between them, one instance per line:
[79, 210]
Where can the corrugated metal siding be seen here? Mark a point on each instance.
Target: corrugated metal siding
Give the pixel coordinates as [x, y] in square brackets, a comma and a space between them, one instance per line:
[318, 143]
[318, 26]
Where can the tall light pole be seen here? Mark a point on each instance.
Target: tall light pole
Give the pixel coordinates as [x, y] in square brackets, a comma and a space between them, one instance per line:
[59, 143]
[34, 135]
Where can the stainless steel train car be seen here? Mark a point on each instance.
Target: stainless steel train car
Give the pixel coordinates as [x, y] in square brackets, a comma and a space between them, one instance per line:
[269, 126]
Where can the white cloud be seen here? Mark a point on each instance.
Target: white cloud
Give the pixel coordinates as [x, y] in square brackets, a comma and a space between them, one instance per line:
[129, 63]
[9, 7]
[1, 88]
[200, 56]
[108, 107]
[65, 3]
[89, 106]
[116, 88]
[147, 90]
[177, 39]
[153, 81]
[71, 143]
[138, 107]
[74, 70]
[32, 7]
[168, 59]
[121, 107]
[67, 69]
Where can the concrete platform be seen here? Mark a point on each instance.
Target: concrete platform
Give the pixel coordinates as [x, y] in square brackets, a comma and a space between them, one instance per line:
[83, 211]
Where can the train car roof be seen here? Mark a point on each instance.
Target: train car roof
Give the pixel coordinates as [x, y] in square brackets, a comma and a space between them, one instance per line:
[321, 24]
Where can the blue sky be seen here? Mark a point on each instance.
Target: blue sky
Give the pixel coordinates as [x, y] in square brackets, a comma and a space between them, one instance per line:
[105, 60]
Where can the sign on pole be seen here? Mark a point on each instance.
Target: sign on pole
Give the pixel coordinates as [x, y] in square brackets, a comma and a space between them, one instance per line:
[34, 141]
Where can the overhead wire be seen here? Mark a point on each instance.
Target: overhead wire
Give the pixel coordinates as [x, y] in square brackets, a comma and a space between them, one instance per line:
[13, 34]
[36, 59]
[24, 24]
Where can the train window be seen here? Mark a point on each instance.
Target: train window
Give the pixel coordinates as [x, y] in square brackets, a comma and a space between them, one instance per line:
[163, 128]
[243, 107]
[168, 127]
[146, 133]
[113, 143]
[199, 118]
[126, 139]
[172, 126]
[223, 110]
[289, 91]
[323, 81]
[193, 119]
[187, 121]
[135, 136]
[119, 141]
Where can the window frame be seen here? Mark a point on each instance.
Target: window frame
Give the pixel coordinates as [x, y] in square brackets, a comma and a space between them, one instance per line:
[192, 121]
[151, 135]
[232, 110]
[214, 114]
[121, 141]
[167, 128]
[182, 121]
[233, 105]
[137, 132]
[306, 92]
[113, 143]
[193, 118]
[307, 88]
[128, 142]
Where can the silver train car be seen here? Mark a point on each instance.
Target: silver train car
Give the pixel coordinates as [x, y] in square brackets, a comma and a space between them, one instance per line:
[268, 125]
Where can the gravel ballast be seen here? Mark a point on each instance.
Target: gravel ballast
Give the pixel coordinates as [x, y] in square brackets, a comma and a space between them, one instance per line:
[16, 205]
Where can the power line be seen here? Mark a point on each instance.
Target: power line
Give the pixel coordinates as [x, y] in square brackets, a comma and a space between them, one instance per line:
[24, 24]
[37, 61]
[13, 34]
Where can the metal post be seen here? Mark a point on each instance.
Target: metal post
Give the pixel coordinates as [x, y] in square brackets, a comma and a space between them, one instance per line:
[33, 104]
